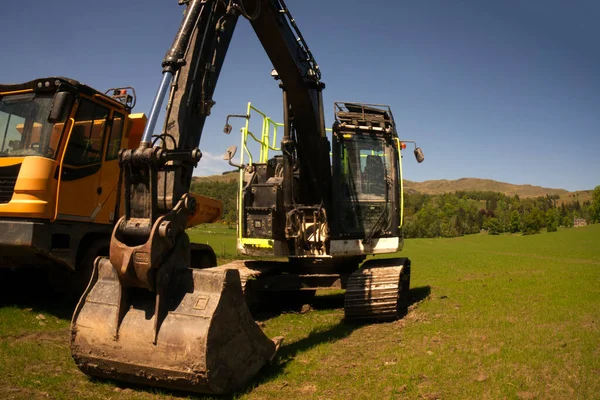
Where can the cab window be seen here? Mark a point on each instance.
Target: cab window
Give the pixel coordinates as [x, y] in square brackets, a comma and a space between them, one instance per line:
[24, 126]
[85, 144]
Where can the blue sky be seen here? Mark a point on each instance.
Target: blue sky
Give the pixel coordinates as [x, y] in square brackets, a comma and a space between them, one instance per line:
[506, 90]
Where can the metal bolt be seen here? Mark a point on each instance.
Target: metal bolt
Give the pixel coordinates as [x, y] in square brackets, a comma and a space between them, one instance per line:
[165, 230]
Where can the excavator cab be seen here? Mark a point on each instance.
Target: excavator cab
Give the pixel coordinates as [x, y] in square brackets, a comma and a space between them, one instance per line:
[366, 182]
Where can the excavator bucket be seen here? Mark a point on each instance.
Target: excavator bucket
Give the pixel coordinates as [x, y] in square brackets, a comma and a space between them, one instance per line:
[204, 339]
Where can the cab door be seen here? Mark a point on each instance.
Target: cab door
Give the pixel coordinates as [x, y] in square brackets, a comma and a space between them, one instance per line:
[109, 175]
[80, 178]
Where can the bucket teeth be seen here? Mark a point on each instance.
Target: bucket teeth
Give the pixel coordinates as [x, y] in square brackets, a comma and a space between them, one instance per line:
[206, 342]
[378, 290]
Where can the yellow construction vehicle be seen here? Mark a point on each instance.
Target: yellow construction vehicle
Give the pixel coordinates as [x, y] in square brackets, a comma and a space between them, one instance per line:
[151, 315]
[59, 174]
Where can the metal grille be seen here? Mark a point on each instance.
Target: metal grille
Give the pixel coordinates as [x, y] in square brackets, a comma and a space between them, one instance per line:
[8, 179]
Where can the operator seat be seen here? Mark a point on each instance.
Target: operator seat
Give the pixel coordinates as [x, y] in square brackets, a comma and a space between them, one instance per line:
[374, 175]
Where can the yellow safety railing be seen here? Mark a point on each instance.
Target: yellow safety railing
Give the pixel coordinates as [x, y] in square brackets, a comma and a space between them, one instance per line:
[268, 125]
[267, 141]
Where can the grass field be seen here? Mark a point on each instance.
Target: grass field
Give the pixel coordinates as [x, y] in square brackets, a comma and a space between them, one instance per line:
[220, 236]
[493, 317]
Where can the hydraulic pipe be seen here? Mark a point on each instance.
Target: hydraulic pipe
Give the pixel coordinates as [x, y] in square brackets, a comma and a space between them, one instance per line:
[155, 110]
[174, 58]
[173, 61]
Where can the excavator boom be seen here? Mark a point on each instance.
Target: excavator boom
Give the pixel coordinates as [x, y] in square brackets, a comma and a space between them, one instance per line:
[148, 316]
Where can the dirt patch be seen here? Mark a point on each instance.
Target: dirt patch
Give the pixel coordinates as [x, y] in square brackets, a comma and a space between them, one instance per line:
[413, 315]
[431, 396]
[308, 388]
[589, 323]
[17, 393]
[481, 377]
[60, 335]
[527, 395]
[44, 368]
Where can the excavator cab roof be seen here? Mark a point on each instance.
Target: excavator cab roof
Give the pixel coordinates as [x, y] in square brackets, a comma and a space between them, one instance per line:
[364, 116]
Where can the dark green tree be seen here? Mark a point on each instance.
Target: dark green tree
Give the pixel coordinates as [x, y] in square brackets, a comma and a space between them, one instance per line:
[533, 221]
[568, 219]
[492, 225]
[595, 206]
[515, 221]
[551, 220]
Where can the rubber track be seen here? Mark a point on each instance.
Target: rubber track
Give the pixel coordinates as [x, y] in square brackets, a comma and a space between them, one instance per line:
[374, 293]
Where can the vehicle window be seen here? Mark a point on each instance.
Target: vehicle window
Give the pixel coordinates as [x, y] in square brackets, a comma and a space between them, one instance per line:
[24, 129]
[114, 140]
[374, 172]
[85, 144]
[10, 134]
[364, 168]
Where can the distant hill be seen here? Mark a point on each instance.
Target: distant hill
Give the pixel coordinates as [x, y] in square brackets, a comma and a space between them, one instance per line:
[477, 184]
[229, 176]
[450, 186]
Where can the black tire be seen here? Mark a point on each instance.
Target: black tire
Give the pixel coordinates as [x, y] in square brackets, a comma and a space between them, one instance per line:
[202, 256]
[85, 265]
[72, 284]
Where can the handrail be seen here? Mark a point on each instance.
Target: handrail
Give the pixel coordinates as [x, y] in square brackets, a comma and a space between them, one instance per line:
[264, 140]
[399, 145]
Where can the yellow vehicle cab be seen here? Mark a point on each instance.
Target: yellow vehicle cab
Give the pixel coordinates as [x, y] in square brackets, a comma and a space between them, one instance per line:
[59, 171]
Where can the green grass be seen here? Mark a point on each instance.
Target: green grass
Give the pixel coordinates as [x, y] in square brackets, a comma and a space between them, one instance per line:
[493, 317]
[220, 236]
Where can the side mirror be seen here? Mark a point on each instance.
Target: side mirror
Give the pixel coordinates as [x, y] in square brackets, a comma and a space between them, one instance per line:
[419, 155]
[61, 105]
[228, 128]
[230, 153]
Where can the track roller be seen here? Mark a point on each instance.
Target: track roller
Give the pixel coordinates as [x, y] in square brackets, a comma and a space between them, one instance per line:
[378, 290]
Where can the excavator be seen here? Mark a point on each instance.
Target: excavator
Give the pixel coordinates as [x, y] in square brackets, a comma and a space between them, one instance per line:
[325, 245]
[150, 314]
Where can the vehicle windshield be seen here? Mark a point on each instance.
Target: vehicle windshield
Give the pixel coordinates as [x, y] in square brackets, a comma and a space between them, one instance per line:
[24, 126]
[365, 167]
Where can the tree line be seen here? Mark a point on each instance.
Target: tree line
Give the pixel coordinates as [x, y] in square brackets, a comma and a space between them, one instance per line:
[227, 192]
[459, 213]
[465, 212]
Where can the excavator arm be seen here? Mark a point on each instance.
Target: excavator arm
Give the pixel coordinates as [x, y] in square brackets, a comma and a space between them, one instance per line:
[148, 316]
[158, 174]
[197, 69]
